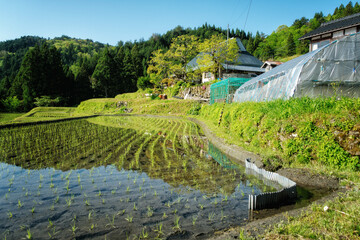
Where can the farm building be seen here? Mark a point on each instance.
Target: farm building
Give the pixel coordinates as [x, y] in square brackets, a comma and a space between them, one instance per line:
[332, 31]
[246, 66]
[331, 69]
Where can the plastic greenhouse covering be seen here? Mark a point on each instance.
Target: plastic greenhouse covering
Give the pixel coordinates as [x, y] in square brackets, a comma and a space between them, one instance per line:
[329, 70]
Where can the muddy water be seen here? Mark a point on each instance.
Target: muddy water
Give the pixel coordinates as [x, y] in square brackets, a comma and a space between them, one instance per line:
[177, 194]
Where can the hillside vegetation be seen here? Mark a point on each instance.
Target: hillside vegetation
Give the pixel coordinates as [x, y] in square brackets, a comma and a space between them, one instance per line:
[91, 69]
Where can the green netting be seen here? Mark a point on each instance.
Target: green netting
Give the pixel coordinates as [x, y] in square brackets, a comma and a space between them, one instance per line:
[224, 90]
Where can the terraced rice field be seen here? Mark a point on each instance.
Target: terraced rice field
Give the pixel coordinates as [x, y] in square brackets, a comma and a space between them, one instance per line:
[117, 177]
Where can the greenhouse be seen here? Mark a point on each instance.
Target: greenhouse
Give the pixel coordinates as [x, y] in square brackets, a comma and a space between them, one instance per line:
[331, 70]
[224, 90]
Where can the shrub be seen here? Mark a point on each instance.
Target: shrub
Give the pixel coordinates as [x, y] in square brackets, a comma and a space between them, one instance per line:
[144, 82]
[12, 104]
[46, 101]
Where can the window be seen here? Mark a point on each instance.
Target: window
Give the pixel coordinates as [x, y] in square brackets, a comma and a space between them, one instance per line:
[350, 31]
[314, 46]
[338, 34]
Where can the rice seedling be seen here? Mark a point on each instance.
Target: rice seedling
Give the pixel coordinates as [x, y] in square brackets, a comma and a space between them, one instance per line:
[150, 212]
[122, 212]
[68, 201]
[73, 228]
[90, 215]
[222, 215]
[211, 216]
[29, 234]
[194, 218]
[92, 226]
[51, 224]
[176, 222]
[144, 234]
[158, 229]
[20, 204]
[111, 221]
[9, 214]
[129, 218]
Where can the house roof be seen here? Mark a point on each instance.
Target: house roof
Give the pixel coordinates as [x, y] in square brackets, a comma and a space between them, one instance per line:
[335, 25]
[245, 59]
[272, 63]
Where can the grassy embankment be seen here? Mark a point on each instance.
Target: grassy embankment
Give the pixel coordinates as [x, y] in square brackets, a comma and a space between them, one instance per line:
[318, 134]
[8, 117]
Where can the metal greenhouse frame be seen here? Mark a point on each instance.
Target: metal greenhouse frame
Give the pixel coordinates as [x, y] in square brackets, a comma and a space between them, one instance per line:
[224, 90]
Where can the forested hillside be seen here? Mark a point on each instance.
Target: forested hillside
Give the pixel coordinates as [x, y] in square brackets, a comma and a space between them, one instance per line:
[69, 70]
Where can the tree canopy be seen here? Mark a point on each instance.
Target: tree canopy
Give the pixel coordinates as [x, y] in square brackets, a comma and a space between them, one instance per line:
[81, 69]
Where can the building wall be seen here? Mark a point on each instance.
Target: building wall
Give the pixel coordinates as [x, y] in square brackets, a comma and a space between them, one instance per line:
[319, 41]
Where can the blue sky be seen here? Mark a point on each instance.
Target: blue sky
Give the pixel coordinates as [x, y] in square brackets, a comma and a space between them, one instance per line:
[110, 21]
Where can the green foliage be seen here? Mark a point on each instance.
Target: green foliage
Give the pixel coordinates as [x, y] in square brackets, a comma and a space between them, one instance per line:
[12, 104]
[335, 219]
[41, 73]
[216, 51]
[47, 101]
[299, 131]
[144, 82]
[195, 109]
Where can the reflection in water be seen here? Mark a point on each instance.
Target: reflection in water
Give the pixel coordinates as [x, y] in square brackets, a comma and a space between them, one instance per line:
[83, 180]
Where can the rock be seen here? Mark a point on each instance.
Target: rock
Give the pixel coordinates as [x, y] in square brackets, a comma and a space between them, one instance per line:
[121, 104]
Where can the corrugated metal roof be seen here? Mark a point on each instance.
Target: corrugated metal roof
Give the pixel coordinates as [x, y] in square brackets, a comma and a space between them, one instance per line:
[342, 23]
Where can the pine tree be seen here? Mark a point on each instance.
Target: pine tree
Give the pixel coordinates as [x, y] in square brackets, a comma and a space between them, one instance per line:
[290, 45]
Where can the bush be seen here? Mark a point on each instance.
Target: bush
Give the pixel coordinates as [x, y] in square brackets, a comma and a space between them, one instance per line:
[144, 82]
[46, 101]
[12, 104]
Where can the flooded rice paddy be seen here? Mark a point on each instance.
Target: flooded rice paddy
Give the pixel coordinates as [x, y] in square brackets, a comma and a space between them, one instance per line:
[120, 178]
